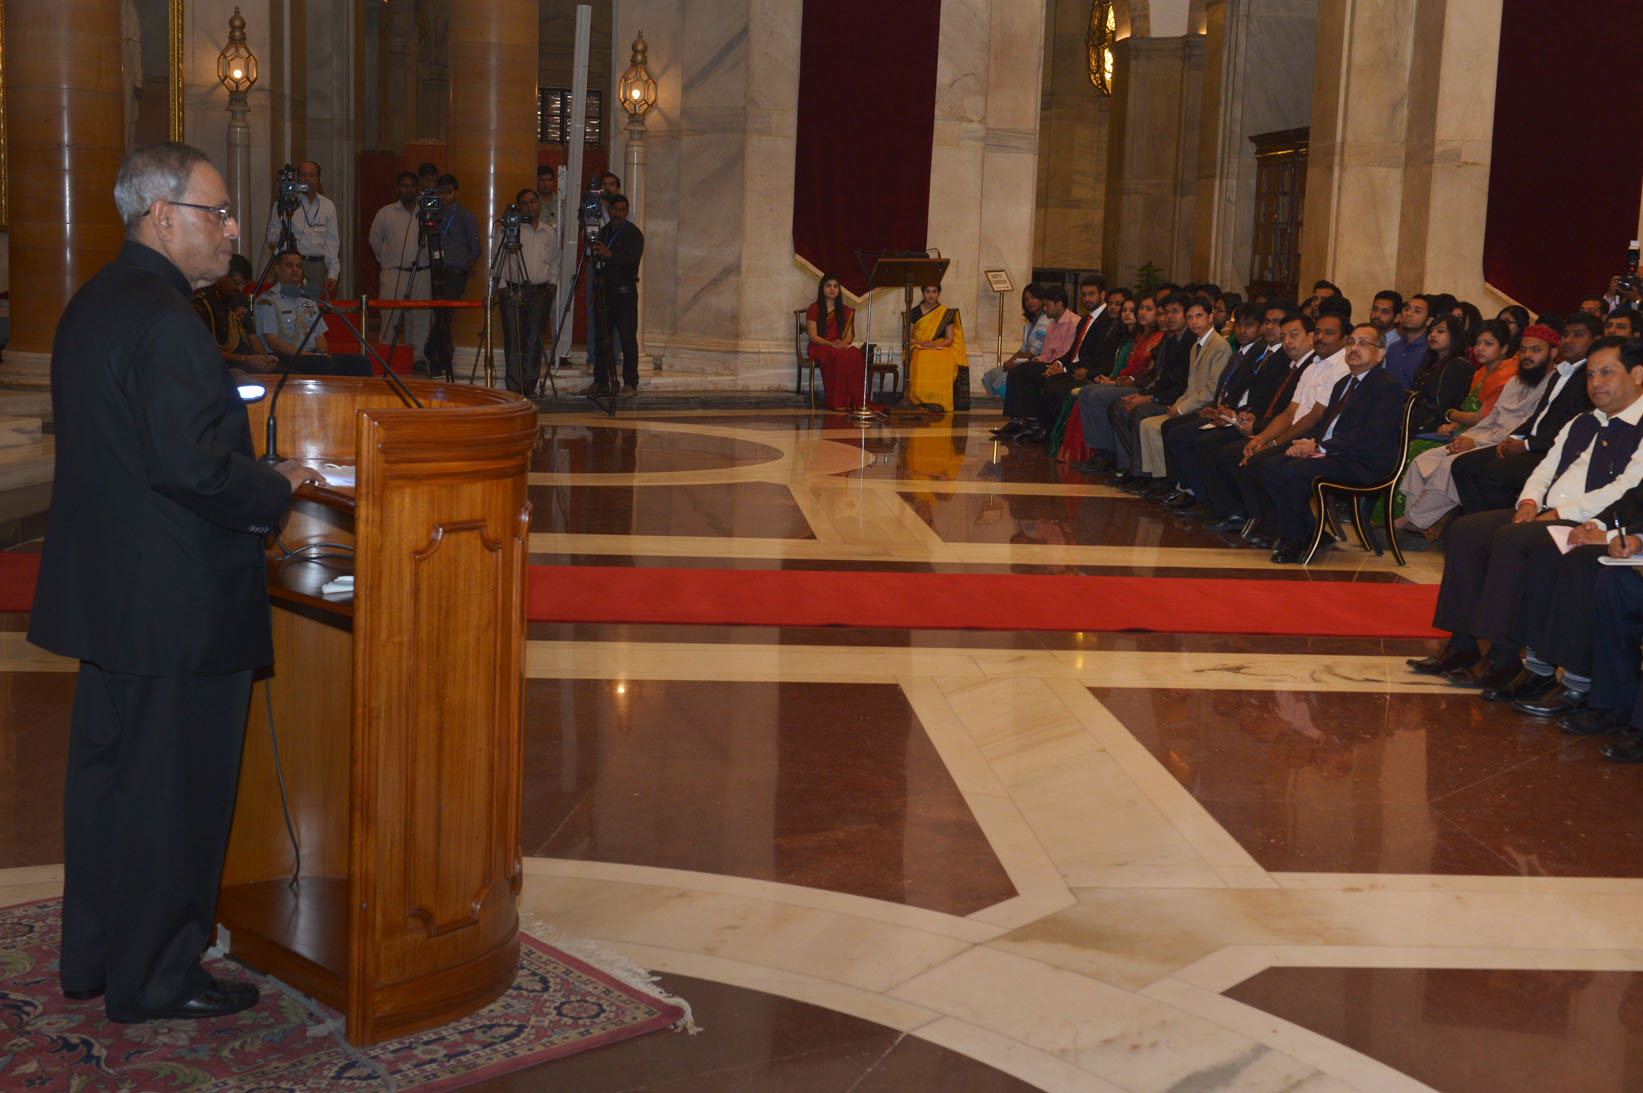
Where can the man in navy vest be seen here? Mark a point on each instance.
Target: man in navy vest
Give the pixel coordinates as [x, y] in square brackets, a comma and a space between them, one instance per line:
[1594, 460]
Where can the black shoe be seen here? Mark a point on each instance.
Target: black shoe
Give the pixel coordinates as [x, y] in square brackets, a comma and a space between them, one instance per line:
[1180, 501]
[219, 999]
[1590, 722]
[1556, 702]
[1629, 750]
[1261, 541]
[594, 389]
[1136, 483]
[1483, 675]
[1032, 434]
[1287, 552]
[1097, 463]
[1009, 429]
[1161, 490]
[83, 996]
[1231, 523]
[1444, 660]
[1525, 684]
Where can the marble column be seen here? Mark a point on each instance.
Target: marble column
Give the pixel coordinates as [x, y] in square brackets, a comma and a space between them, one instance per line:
[1152, 155]
[1401, 137]
[987, 113]
[1072, 145]
[65, 133]
[492, 146]
[1257, 79]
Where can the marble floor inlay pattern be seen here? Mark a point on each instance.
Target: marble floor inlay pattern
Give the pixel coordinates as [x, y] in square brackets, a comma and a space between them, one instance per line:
[994, 860]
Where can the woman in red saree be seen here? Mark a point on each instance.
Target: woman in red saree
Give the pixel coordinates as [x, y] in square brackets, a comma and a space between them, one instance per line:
[831, 326]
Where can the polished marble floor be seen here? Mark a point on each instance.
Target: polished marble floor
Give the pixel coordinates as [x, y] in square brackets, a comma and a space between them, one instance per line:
[1004, 859]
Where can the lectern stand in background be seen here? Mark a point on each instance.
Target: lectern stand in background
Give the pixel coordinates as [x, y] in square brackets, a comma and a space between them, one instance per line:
[909, 273]
[398, 711]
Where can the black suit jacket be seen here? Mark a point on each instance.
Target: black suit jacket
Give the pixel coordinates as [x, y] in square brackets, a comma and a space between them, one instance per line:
[1570, 403]
[1369, 428]
[627, 247]
[1086, 349]
[153, 559]
[1171, 363]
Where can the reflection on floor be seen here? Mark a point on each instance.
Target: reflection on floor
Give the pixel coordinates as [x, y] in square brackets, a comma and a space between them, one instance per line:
[922, 859]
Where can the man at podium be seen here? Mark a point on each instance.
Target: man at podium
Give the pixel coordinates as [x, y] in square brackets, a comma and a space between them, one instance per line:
[153, 578]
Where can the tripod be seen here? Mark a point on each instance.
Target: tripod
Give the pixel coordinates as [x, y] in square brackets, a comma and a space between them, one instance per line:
[439, 337]
[509, 285]
[599, 333]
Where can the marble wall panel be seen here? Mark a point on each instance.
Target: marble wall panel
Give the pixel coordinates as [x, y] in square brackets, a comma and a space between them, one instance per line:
[1072, 145]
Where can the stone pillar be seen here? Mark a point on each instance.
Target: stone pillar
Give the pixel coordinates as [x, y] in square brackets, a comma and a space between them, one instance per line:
[66, 134]
[987, 130]
[1401, 137]
[492, 147]
[1257, 79]
[1072, 145]
[1152, 154]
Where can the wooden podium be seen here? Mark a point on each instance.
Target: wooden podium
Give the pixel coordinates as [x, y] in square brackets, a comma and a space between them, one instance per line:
[908, 273]
[398, 711]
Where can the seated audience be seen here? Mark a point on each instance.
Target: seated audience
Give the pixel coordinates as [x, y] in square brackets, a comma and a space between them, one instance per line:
[1254, 380]
[1040, 391]
[1153, 395]
[1615, 705]
[1168, 362]
[1441, 383]
[1405, 355]
[1495, 355]
[1623, 323]
[1135, 356]
[1517, 318]
[289, 325]
[1595, 459]
[1207, 361]
[1022, 397]
[1312, 391]
[227, 314]
[1492, 478]
[1036, 327]
[1357, 441]
[936, 350]
[1384, 310]
[1427, 488]
[1594, 305]
[831, 325]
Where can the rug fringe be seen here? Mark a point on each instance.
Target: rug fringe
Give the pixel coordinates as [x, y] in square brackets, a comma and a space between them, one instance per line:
[612, 964]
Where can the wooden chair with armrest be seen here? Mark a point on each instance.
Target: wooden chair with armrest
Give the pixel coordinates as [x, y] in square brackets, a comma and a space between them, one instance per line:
[1323, 488]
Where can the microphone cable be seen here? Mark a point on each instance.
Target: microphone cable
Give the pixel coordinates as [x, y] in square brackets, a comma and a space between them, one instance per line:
[279, 776]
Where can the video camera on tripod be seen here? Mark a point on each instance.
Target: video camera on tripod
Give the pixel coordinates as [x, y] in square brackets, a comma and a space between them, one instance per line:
[429, 210]
[512, 220]
[289, 188]
[590, 213]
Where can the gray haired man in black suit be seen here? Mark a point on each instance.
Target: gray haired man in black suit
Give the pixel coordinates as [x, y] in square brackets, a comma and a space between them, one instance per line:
[153, 578]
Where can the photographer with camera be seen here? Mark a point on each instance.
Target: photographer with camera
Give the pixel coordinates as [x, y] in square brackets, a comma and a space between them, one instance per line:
[620, 245]
[457, 247]
[528, 288]
[397, 242]
[305, 220]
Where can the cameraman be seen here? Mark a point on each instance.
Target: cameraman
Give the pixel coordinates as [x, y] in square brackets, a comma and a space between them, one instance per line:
[313, 229]
[609, 187]
[528, 305]
[459, 241]
[621, 244]
[398, 248]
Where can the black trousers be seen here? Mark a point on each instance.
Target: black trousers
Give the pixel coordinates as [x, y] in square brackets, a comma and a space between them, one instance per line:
[1555, 617]
[1256, 500]
[153, 763]
[440, 351]
[1288, 485]
[1485, 480]
[1181, 435]
[526, 311]
[1218, 471]
[1023, 391]
[1054, 392]
[1617, 631]
[622, 309]
[1487, 563]
[1126, 431]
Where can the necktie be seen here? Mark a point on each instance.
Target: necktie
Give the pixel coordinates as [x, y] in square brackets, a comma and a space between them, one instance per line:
[1328, 423]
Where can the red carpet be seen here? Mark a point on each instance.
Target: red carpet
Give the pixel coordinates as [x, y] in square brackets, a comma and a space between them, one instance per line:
[983, 601]
[943, 601]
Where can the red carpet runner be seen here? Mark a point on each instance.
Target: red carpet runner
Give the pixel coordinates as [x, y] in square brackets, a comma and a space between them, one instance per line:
[956, 601]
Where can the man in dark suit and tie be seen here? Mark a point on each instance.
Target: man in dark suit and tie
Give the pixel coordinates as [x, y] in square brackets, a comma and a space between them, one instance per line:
[153, 578]
[1358, 440]
[1490, 478]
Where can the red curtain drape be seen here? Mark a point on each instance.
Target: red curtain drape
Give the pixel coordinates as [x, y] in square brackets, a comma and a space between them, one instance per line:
[867, 102]
[1566, 167]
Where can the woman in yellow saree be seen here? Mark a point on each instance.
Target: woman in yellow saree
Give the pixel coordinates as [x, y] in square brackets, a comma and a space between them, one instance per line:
[936, 350]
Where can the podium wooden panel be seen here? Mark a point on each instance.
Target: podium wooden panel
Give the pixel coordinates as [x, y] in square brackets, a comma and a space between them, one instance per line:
[398, 712]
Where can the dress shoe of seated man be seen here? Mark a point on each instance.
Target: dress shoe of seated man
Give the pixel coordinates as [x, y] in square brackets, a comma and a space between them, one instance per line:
[288, 324]
[1490, 557]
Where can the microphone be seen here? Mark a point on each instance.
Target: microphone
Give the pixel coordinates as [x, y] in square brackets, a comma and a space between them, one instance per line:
[270, 453]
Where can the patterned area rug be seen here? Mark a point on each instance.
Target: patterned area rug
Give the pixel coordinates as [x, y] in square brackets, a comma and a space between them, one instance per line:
[558, 1006]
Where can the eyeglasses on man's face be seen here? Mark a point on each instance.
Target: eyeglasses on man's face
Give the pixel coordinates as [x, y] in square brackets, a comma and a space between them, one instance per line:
[224, 211]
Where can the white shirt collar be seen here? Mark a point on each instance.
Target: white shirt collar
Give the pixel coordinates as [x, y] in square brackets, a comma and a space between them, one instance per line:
[1567, 368]
[1208, 334]
[1629, 415]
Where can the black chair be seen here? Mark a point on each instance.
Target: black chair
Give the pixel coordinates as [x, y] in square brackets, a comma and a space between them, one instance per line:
[1382, 490]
